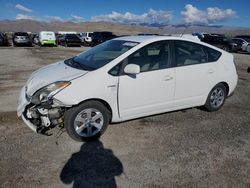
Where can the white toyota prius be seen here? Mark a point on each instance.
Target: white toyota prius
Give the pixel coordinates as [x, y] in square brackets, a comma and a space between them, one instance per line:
[126, 78]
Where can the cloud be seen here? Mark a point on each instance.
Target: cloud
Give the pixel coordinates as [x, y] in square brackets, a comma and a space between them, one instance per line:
[192, 15]
[26, 17]
[215, 14]
[23, 8]
[76, 18]
[151, 17]
[42, 18]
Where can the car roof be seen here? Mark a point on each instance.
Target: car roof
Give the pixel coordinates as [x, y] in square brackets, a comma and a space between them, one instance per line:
[149, 39]
[146, 38]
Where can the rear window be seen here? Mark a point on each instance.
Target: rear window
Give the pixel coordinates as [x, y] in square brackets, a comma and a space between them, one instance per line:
[21, 34]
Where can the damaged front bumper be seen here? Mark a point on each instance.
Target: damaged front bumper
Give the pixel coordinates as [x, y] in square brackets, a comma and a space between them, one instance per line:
[41, 117]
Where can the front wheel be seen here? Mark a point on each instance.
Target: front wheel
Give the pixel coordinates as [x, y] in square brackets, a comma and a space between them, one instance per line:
[216, 98]
[87, 121]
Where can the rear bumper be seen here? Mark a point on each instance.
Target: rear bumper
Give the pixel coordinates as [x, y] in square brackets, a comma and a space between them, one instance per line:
[52, 42]
[27, 42]
[233, 84]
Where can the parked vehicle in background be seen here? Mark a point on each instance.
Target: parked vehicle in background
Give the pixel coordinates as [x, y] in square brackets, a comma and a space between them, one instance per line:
[86, 38]
[126, 78]
[242, 36]
[35, 39]
[200, 35]
[187, 36]
[21, 39]
[59, 39]
[221, 41]
[65, 32]
[47, 38]
[245, 43]
[248, 48]
[69, 40]
[100, 37]
[4, 39]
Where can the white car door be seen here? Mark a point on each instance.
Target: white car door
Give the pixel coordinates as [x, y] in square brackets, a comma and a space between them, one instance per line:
[195, 75]
[152, 90]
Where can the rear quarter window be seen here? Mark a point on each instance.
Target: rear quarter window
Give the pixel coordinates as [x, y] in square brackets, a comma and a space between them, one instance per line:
[213, 55]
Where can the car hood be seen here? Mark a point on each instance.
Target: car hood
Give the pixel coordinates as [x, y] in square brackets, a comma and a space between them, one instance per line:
[49, 74]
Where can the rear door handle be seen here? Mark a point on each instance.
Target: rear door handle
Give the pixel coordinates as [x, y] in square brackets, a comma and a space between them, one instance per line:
[210, 71]
[167, 78]
[110, 86]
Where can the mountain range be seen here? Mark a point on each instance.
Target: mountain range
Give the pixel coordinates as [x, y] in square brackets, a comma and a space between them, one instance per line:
[120, 29]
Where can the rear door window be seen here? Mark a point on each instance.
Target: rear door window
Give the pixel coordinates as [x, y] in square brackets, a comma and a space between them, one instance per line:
[189, 53]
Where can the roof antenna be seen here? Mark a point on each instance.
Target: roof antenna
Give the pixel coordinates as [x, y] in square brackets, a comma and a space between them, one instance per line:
[184, 31]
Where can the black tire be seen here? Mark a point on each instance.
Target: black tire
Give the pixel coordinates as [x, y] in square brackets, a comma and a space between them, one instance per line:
[226, 48]
[210, 104]
[85, 43]
[74, 112]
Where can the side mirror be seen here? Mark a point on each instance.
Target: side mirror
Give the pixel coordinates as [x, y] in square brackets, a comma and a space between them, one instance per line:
[132, 69]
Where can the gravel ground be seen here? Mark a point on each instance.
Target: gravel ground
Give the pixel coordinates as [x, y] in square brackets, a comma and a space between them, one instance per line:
[187, 148]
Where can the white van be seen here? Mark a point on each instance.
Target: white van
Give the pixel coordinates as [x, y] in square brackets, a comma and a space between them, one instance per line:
[47, 37]
[86, 38]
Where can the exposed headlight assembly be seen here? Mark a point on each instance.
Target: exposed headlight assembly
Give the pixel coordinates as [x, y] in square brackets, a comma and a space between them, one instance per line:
[45, 93]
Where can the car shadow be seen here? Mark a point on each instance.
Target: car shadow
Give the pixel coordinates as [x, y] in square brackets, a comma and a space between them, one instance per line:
[92, 166]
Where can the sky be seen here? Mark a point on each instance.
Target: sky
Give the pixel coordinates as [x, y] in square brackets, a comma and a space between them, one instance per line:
[147, 12]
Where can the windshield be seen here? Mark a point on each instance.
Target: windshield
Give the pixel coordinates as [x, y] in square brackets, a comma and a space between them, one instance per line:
[101, 55]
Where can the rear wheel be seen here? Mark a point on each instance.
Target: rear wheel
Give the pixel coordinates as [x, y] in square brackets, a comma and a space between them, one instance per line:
[226, 48]
[216, 98]
[87, 121]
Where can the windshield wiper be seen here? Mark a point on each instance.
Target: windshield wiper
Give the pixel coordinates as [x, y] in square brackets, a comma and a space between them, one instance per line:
[73, 63]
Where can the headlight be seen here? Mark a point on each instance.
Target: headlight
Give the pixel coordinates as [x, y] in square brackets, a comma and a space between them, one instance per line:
[48, 91]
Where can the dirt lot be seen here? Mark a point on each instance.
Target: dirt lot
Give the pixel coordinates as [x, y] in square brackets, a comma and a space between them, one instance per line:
[188, 148]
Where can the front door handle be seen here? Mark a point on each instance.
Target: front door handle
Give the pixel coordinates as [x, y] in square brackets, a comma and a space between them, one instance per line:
[167, 78]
